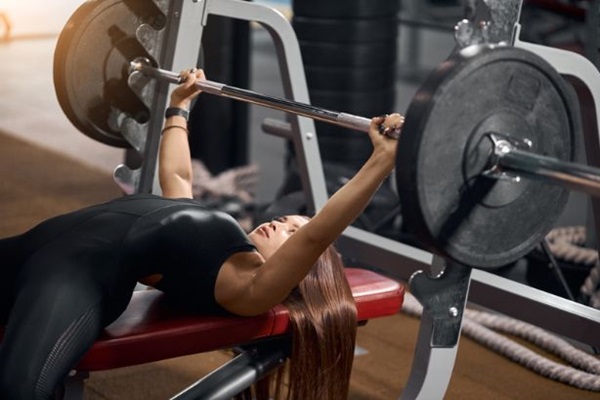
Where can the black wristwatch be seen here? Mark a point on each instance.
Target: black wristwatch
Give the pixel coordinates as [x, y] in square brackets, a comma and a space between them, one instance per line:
[172, 111]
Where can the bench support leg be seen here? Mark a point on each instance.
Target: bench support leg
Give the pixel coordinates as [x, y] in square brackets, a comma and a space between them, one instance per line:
[249, 366]
[74, 385]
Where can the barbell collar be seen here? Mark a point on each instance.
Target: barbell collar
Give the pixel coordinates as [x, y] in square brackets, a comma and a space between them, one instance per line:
[354, 122]
[144, 66]
[570, 175]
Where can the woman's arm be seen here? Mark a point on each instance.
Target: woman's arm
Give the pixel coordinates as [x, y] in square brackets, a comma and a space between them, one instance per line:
[175, 161]
[271, 283]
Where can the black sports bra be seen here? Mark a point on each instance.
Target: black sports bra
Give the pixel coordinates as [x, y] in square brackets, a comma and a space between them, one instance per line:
[185, 243]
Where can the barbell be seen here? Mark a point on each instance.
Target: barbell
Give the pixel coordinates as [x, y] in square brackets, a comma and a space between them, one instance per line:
[345, 120]
[484, 136]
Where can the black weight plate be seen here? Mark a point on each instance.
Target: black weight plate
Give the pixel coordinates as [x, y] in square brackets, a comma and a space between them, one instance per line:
[349, 78]
[449, 206]
[345, 30]
[90, 65]
[349, 55]
[345, 8]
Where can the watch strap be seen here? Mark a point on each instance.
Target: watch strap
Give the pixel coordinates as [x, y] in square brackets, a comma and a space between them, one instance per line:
[173, 111]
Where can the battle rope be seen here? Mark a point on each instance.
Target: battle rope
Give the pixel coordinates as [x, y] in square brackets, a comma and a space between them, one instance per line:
[565, 243]
[480, 327]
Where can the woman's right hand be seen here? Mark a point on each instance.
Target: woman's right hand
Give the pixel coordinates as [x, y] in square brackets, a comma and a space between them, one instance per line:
[187, 91]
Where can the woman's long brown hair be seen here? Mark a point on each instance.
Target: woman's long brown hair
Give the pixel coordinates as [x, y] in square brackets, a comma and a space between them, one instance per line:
[323, 321]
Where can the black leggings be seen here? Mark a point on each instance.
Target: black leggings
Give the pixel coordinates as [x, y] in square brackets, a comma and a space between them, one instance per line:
[55, 301]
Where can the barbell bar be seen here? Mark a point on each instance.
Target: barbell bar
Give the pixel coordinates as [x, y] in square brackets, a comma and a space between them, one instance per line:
[345, 120]
[507, 157]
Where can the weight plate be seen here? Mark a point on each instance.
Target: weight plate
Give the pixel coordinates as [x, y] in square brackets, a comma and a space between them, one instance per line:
[90, 65]
[345, 8]
[449, 206]
[345, 30]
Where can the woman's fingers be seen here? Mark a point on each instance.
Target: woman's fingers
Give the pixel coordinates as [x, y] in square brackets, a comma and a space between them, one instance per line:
[199, 74]
[189, 78]
[388, 126]
[186, 91]
[392, 122]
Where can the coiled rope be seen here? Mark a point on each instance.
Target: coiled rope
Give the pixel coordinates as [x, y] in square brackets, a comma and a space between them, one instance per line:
[565, 243]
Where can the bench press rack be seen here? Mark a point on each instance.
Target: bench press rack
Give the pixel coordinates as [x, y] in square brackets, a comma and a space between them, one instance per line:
[442, 287]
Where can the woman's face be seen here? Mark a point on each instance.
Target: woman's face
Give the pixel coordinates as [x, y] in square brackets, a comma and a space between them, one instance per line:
[269, 236]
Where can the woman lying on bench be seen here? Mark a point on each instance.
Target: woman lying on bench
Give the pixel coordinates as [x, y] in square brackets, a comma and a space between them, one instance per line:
[67, 278]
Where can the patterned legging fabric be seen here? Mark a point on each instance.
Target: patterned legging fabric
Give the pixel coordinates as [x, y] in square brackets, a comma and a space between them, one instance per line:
[55, 299]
